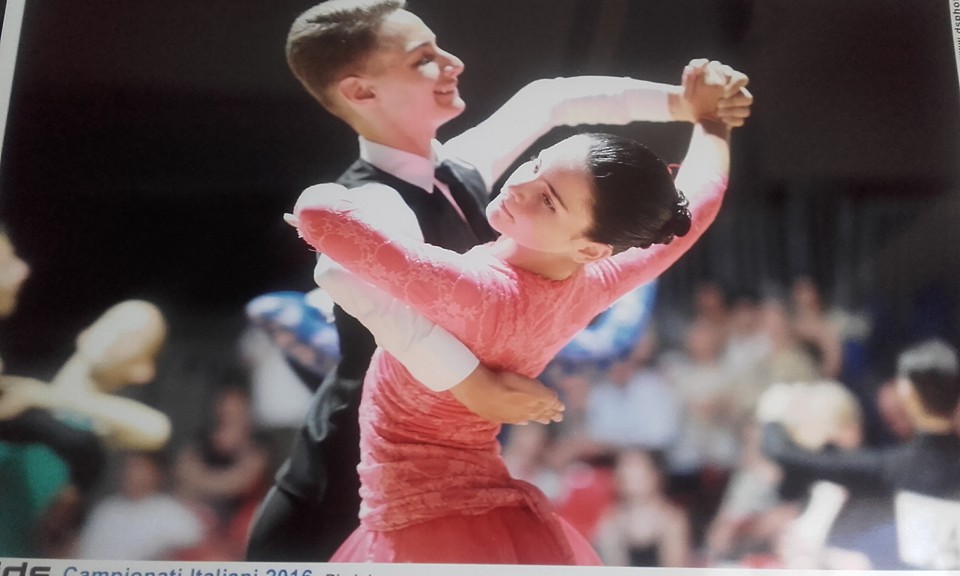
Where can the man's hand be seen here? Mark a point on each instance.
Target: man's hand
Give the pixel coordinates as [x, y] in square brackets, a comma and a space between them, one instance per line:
[508, 398]
[714, 91]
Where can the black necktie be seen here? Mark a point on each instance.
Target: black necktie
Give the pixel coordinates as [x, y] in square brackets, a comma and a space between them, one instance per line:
[467, 202]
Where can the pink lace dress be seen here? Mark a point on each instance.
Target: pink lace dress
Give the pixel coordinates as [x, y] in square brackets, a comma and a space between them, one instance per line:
[433, 485]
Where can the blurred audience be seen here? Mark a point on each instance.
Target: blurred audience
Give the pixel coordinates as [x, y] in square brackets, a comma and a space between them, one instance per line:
[633, 404]
[643, 527]
[712, 308]
[816, 330]
[783, 359]
[141, 520]
[752, 516]
[225, 472]
[706, 450]
[527, 456]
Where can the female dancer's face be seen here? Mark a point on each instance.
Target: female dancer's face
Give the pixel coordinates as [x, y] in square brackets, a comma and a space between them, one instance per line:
[546, 204]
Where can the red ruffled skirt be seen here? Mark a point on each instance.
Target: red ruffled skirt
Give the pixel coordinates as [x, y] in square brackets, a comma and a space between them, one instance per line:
[506, 535]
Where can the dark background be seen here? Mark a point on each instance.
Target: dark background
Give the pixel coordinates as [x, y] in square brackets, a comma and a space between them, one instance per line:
[152, 148]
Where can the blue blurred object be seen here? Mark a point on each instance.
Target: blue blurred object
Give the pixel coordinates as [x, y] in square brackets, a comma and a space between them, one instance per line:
[614, 333]
[297, 323]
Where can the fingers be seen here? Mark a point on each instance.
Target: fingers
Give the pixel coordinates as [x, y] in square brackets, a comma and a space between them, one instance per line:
[736, 81]
[734, 110]
[742, 98]
[714, 74]
[716, 91]
[552, 412]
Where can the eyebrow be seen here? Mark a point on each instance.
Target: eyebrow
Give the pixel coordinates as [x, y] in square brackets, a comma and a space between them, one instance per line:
[426, 43]
[553, 191]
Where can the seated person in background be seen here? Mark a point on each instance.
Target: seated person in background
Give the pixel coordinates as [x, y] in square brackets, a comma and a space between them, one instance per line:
[141, 521]
[751, 515]
[816, 330]
[922, 475]
[706, 450]
[225, 474]
[526, 453]
[643, 527]
[632, 404]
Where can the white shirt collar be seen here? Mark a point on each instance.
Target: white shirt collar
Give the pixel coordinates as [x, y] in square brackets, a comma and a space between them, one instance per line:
[411, 168]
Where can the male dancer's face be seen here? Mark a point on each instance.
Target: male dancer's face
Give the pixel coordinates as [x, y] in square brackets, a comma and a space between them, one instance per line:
[415, 81]
[13, 273]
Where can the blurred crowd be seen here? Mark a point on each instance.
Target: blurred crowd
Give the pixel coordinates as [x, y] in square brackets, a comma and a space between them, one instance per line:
[658, 460]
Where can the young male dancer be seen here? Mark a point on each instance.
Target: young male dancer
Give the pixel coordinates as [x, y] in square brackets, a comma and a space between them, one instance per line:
[378, 67]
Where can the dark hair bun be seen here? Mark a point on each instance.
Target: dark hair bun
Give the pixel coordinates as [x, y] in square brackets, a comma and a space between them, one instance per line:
[679, 222]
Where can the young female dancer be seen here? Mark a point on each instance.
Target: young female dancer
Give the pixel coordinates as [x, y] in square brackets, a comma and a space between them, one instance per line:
[582, 224]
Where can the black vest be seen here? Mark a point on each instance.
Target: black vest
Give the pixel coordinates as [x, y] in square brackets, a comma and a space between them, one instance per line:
[441, 228]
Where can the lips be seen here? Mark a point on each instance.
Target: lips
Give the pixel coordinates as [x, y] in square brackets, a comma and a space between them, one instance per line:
[503, 206]
[446, 90]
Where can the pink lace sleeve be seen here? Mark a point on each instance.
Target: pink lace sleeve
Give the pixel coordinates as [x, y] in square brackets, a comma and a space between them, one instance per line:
[703, 179]
[433, 280]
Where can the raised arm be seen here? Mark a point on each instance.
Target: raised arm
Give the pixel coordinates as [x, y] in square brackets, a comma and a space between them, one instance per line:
[121, 422]
[493, 145]
[703, 180]
[860, 469]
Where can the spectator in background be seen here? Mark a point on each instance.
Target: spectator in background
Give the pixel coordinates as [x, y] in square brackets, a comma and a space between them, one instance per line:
[527, 456]
[816, 331]
[752, 516]
[706, 450]
[225, 474]
[748, 343]
[711, 308]
[141, 521]
[278, 397]
[783, 359]
[643, 527]
[633, 405]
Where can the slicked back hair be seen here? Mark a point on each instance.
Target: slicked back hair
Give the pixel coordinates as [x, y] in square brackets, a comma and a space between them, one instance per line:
[333, 40]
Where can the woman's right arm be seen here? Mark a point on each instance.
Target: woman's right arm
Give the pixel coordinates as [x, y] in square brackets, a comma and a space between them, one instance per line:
[353, 228]
[703, 180]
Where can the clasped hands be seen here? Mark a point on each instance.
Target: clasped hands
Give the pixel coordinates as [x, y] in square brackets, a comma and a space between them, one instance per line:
[711, 90]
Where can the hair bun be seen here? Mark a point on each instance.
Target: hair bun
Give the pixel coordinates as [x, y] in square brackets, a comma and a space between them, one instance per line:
[679, 222]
